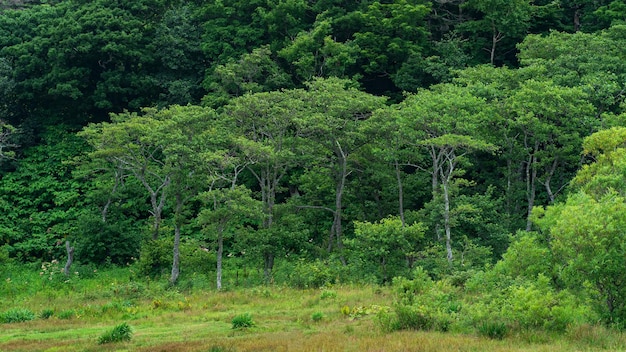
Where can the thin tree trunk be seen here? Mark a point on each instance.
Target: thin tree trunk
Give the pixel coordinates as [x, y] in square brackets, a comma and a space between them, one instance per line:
[269, 264]
[220, 253]
[70, 258]
[176, 257]
[549, 179]
[400, 193]
[531, 187]
[446, 217]
[339, 200]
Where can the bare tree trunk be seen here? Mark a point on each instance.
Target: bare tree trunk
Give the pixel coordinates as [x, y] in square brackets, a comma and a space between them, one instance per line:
[70, 258]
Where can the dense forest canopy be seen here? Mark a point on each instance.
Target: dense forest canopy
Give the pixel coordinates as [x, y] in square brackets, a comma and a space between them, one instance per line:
[375, 136]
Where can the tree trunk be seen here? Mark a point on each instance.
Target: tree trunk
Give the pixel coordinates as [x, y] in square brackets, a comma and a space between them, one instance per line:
[269, 265]
[70, 258]
[176, 258]
[446, 217]
[176, 249]
[531, 187]
[400, 194]
[220, 253]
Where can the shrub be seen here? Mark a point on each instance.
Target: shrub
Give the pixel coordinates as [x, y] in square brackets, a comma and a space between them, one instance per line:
[67, 314]
[46, 313]
[243, 321]
[317, 316]
[311, 274]
[121, 332]
[328, 294]
[493, 330]
[413, 318]
[16, 315]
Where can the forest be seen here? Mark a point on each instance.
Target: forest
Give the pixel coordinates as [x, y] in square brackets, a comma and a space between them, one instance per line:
[466, 151]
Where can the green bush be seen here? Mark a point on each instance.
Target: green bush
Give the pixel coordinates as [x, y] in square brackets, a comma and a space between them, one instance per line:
[305, 274]
[16, 315]
[121, 332]
[46, 313]
[413, 318]
[493, 330]
[67, 314]
[243, 321]
[317, 316]
[328, 294]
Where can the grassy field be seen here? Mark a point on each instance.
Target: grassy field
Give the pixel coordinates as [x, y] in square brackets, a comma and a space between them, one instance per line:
[339, 318]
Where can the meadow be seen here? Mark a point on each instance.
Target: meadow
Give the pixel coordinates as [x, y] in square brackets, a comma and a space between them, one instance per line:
[73, 314]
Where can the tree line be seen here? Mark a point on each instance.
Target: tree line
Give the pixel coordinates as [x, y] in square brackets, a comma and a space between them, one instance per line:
[372, 136]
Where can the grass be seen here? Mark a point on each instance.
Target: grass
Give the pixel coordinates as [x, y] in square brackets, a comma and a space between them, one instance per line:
[165, 319]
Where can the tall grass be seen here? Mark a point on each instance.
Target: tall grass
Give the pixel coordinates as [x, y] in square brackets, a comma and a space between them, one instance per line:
[335, 318]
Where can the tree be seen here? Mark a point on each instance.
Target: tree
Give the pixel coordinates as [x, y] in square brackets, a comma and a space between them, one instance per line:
[127, 143]
[550, 121]
[586, 231]
[501, 19]
[451, 122]
[594, 62]
[386, 243]
[253, 72]
[182, 131]
[332, 126]
[80, 59]
[6, 132]
[228, 210]
[268, 122]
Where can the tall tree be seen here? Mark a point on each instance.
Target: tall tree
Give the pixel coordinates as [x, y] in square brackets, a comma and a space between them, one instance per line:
[127, 142]
[268, 121]
[451, 124]
[332, 128]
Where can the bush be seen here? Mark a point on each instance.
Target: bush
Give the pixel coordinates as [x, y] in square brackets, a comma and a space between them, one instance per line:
[305, 274]
[317, 316]
[46, 313]
[121, 332]
[328, 294]
[493, 330]
[67, 314]
[243, 321]
[16, 315]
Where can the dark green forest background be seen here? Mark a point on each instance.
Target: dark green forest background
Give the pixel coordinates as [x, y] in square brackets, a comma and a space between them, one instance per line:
[317, 141]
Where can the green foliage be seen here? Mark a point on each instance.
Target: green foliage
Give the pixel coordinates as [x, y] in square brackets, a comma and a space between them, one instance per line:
[156, 258]
[242, 321]
[386, 244]
[67, 314]
[493, 330]
[306, 274]
[317, 316]
[46, 313]
[120, 333]
[328, 294]
[422, 304]
[16, 315]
